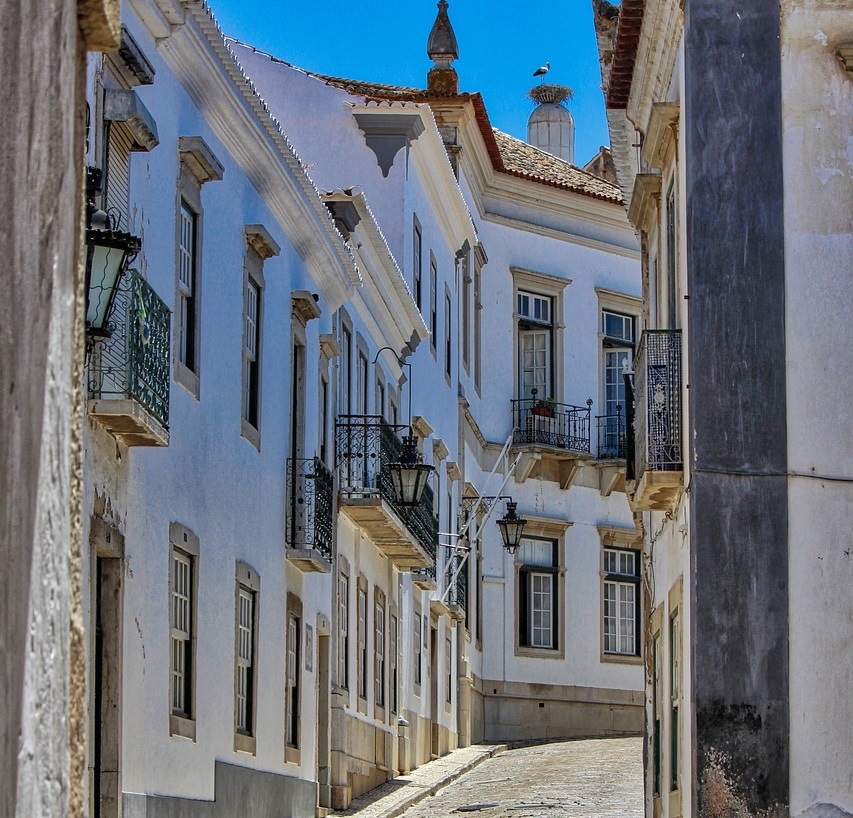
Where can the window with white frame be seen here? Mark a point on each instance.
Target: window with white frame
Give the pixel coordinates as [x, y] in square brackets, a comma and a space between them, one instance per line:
[393, 681]
[535, 345]
[618, 342]
[433, 302]
[343, 629]
[292, 681]
[448, 668]
[448, 340]
[182, 633]
[417, 250]
[417, 651]
[245, 660]
[361, 381]
[186, 316]
[362, 640]
[537, 575]
[379, 650]
[251, 351]
[621, 601]
[478, 325]
[345, 383]
[674, 696]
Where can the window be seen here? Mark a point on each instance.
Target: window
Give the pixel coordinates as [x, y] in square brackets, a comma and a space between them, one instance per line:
[393, 638]
[324, 419]
[621, 602]
[292, 682]
[418, 649]
[245, 660]
[362, 639]
[478, 320]
[535, 346]
[433, 302]
[380, 399]
[186, 316]
[657, 704]
[181, 626]
[448, 323]
[671, 266]
[618, 342]
[466, 311]
[198, 166]
[379, 649]
[417, 247]
[345, 384]
[448, 667]
[252, 318]
[343, 629]
[674, 693]
[361, 399]
[538, 593]
[183, 561]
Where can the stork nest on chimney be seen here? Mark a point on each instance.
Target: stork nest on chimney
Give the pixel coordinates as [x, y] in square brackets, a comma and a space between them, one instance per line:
[545, 93]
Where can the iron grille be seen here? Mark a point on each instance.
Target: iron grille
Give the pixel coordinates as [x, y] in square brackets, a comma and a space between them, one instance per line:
[611, 436]
[544, 423]
[459, 588]
[657, 401]
[311, 505]
[365, 445]
[134, 361]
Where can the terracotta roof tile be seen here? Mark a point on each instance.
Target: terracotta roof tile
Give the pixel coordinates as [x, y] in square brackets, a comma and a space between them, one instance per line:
[508, 154]
[521, 159]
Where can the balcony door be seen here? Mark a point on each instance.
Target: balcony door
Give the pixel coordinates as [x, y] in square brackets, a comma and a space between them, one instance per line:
[535, 363]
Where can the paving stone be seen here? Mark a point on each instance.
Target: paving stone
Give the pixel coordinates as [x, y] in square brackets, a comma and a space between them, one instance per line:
[592, 778]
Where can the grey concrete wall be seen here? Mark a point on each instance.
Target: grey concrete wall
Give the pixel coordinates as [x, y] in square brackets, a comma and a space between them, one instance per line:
[41, 166]
[238, 791]
[737, 434]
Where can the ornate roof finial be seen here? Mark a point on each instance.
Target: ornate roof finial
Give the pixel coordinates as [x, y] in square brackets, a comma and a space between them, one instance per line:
[442, 50]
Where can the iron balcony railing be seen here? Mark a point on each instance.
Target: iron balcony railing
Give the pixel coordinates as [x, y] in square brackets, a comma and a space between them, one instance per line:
[365, 445]
[310, 505]
[657, 402]
[546, 423]
[458, 594]
[611, 436]
[134, 361]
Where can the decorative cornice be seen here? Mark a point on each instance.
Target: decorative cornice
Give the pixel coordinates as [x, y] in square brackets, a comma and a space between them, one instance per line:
[265, 245]
[611, 535]
[454, 473]
[660, 132]
[386, 133]
[197, 54]
[439, 449]
[421, 427]
[329, 345]
[305, 306]
[199, 159]
[647, 188]
[124, 105]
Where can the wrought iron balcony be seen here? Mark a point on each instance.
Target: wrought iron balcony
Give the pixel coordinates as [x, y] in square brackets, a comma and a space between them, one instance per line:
[458, 596]
[611, 435]
[657, 420]
[129, 371]
[545, 423]
[310, 514]
[365, 445]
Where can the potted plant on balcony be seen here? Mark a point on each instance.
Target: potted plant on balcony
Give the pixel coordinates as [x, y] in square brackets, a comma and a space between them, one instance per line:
[544, 408]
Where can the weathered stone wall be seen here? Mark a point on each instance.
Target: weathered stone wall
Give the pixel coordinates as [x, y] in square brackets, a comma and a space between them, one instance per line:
[42, 756]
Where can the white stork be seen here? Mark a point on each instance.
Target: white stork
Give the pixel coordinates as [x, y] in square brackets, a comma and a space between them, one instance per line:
[542, 71]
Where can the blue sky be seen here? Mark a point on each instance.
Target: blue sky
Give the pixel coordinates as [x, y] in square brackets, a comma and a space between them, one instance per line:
[501, 44]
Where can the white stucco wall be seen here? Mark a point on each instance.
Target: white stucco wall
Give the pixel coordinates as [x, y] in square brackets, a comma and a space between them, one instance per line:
[817, 109]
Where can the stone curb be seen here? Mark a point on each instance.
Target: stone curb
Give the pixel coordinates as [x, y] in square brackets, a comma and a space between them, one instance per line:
[399, 800]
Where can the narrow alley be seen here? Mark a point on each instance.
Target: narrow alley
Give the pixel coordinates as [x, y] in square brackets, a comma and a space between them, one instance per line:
[593, 778]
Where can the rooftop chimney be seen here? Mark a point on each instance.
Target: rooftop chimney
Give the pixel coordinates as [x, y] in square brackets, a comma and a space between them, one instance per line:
[551, 127]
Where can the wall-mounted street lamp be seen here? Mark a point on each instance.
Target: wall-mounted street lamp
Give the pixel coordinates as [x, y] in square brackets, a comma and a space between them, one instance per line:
[409, 475]
[108, 253]
[511, 525]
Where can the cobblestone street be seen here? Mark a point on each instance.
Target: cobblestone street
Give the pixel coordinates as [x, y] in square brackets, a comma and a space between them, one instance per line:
[600, 778]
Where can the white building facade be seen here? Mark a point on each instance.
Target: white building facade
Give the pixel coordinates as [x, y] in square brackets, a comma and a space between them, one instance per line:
[270, 629]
